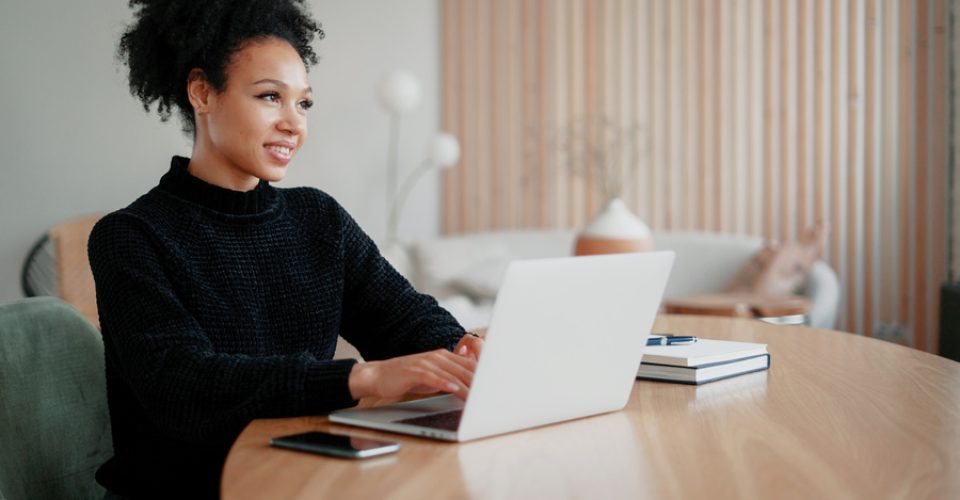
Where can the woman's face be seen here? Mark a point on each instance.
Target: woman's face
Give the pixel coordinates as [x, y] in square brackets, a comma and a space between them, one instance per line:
[252, 129]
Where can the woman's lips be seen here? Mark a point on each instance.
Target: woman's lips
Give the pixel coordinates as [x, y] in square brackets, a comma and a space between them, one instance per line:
[282, 153]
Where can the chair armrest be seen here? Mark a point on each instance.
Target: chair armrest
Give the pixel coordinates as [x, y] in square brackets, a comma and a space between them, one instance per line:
[822, 289]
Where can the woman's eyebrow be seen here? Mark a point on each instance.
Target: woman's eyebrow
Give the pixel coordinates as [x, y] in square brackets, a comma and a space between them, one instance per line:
[278, 83]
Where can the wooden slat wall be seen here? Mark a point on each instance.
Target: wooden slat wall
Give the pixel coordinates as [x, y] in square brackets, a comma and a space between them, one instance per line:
[752, 116]
[954, 147]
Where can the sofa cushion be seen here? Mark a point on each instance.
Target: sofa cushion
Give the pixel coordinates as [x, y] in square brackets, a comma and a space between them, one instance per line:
[781, 268]
[440, 263]
[705, 262]
[453, 264]
[483, 280]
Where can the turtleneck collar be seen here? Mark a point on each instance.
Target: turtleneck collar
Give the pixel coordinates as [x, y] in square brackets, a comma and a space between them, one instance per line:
[180, 183]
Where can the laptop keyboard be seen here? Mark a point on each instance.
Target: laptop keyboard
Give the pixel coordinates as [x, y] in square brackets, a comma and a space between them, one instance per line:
[448, 420]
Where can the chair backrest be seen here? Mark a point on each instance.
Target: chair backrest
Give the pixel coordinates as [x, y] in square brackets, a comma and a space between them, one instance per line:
[58, 266]
[54, 422]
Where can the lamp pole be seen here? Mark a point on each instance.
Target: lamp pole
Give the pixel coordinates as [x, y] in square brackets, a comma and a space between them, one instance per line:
[444, 153]
[399, 93]
[400, 197]
[392, 151]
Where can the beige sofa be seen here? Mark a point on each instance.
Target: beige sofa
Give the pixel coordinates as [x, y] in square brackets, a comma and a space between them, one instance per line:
[464, 272]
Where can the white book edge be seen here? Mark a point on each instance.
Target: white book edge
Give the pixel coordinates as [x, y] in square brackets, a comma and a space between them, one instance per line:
[705, 374]
[703, 352]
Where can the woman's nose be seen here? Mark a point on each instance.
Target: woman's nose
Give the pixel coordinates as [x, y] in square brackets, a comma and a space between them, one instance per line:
[292, 121]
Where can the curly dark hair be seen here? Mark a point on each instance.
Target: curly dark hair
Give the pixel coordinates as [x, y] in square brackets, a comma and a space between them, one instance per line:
[169, 38]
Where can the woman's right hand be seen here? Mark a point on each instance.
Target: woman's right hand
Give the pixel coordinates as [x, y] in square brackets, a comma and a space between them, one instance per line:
[427, 372]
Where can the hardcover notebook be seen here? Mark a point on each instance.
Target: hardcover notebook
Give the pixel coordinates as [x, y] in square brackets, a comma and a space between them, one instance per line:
[704, 361]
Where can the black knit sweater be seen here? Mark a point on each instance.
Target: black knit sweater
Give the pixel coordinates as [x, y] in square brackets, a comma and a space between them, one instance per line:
[218, 307]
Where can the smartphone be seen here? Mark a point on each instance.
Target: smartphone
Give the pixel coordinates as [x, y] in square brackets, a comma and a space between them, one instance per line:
[336, 445]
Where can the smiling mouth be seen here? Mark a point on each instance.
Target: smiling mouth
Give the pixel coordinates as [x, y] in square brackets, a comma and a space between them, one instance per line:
[281, 150]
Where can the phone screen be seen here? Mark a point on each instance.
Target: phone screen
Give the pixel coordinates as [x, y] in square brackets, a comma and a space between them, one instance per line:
[335, 444]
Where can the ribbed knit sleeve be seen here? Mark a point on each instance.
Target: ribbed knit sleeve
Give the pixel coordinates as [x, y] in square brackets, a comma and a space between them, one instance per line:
[186, 387]
[383, 315]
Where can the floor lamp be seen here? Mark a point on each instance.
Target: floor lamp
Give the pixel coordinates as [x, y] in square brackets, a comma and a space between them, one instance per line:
[399, 94]
[444, 153]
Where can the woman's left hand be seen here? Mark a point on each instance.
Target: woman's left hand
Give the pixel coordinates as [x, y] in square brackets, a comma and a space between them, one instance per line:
[469, 346]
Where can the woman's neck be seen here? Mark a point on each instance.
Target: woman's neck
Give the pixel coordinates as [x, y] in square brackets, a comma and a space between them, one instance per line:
[208, 165]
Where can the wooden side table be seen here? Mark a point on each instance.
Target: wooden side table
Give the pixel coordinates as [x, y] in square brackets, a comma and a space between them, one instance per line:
[782, 310]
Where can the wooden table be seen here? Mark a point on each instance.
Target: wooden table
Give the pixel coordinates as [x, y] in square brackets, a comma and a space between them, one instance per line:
[739, 305]
[836, 416]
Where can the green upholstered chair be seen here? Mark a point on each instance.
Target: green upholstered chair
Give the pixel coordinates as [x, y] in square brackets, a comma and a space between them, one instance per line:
[54, 423]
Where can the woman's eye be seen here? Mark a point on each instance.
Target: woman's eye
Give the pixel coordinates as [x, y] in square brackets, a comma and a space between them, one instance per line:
[306, 104]
[269, 96]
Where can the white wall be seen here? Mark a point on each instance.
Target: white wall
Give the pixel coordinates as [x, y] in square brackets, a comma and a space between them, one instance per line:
[74, 141]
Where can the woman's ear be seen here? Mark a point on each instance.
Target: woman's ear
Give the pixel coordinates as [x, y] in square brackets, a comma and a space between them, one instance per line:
[198, 91]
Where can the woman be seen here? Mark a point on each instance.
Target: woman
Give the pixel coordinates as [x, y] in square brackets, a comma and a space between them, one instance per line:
[220, 296]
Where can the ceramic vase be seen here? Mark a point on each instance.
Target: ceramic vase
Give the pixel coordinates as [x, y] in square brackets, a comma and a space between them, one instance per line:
[614, 230]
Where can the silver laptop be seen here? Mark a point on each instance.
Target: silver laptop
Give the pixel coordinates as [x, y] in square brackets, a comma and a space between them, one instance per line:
[564, 342]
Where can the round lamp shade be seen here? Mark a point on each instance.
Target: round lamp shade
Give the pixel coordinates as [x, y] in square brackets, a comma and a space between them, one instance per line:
[400, 92]
[445, 149]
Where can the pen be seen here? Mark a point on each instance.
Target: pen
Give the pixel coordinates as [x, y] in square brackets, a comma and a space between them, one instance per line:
[672, 340]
